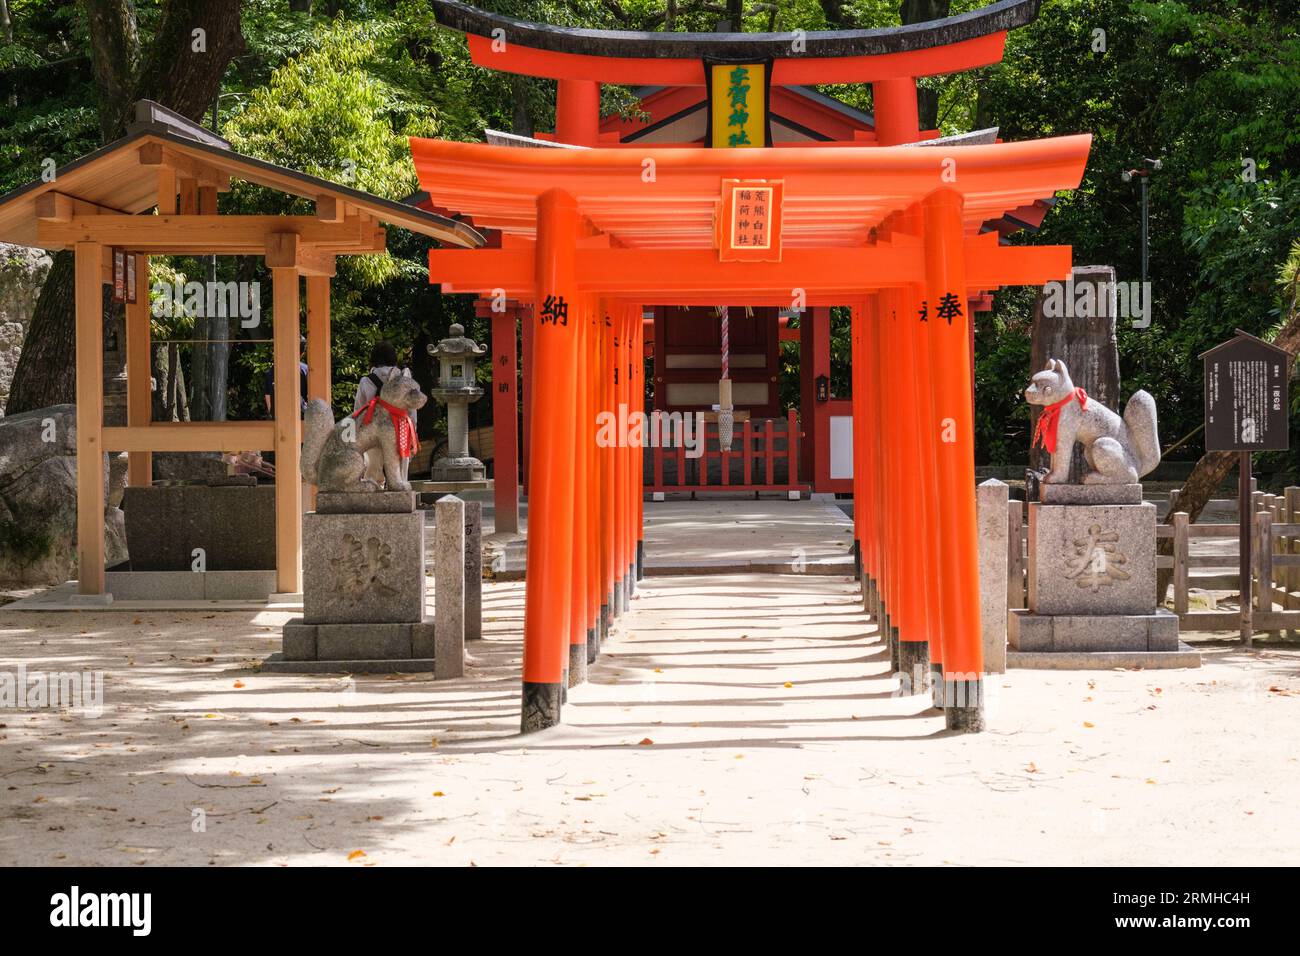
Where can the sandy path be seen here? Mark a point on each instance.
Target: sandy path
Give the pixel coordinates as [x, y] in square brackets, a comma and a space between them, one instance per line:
[1192, 767]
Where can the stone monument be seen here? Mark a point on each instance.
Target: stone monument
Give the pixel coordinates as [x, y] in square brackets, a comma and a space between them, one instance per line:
[457, 388]
[363, 574]
[1092, 539]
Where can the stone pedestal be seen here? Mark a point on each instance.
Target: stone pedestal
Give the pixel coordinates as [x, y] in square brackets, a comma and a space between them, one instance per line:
[1092, 573]
[363, 588]
[1092, 559]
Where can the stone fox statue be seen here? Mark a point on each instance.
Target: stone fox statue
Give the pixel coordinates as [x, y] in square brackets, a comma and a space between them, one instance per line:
[333, 455]
[1118, 450]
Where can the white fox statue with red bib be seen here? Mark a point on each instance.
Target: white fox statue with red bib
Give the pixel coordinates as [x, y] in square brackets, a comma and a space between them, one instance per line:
[333, 456]
[1118, 450]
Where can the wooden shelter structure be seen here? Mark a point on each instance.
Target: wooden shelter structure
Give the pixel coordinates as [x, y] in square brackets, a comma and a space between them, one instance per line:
[154, 192]
[583, 239]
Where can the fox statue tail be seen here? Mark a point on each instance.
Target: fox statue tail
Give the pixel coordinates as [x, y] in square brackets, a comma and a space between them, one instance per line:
[1140, 419]
[317, 423]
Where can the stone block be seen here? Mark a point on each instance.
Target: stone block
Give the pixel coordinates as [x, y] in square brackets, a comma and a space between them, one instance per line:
[365, 502]
[1029, 632]
[423, 640]
[1088, 633]
[1130, 494]
[238, 585]
[299, 641]
[473, 570]
[1163, 635]
[362, 642]
[155, 585]
[363, 568]
[233, 524]
[991, 514]
[1092, 559]
[1183, 656]
[1117, 632]
[277, 664]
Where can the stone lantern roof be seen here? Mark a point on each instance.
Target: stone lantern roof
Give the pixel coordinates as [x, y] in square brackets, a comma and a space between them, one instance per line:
[457, 344]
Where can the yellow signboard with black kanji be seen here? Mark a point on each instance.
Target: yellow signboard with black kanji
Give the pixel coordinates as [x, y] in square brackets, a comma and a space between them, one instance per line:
[738, 104]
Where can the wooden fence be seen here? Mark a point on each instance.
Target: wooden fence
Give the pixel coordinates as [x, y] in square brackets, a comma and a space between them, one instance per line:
[753, 447]
[1274, 602]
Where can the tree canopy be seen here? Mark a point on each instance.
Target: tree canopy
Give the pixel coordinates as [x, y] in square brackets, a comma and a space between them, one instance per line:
[334, 88]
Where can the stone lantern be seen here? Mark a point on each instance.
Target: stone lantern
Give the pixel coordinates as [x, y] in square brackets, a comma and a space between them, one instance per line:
[456, 389]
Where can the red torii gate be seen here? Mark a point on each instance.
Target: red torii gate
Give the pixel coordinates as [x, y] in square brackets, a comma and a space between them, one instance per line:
[590, 236]
[882, 229]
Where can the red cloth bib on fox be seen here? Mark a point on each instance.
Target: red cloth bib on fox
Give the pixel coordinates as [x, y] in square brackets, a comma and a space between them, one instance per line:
[407, 443]
[1050, 419]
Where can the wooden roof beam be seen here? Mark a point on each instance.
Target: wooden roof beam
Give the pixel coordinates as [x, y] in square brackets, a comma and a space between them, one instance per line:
[231, 235]
[287, 250]
[185, 167]
[55, 206]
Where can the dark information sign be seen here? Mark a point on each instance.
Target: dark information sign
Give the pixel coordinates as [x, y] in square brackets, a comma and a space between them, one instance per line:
[1246, 395]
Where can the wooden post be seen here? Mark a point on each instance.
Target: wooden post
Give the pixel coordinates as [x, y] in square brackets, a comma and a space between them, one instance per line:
[896, 113]
[1181, 551]
[320, 375]
[948, 324]
[548, 597]
[857, 388]
[620, 460]
[814, 360]
[591, 406]
[638, 472]
[888, 395]
[608, 531]
[580, 455]
[90, 417]
[1291, 509]
[1263, 522]
[288, 430]
[139, 374]
[505, 420]
[577, 112]
[913, 646]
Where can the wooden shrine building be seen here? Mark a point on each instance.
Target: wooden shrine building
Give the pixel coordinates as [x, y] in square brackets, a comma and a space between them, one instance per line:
[154, 192]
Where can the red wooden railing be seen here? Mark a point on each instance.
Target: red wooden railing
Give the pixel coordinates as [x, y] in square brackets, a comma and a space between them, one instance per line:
[754, 446]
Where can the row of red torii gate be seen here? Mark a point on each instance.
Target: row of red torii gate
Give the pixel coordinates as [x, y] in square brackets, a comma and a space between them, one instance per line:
[720, 195]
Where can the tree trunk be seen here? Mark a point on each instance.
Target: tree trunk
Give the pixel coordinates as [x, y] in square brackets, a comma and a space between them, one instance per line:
[921, 11]
[523, 120]
[194, 43]
[45, 374]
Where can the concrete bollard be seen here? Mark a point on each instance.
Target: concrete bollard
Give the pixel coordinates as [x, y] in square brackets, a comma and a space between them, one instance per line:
[449, 587]
[991, 499]
[473, 570]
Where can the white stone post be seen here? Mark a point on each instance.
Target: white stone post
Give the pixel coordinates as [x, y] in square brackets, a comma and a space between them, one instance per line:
[991, 514]
[449, 587]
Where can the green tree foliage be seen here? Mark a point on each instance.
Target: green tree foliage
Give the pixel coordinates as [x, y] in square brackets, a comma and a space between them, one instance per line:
[336, 91]
[1201, 87]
